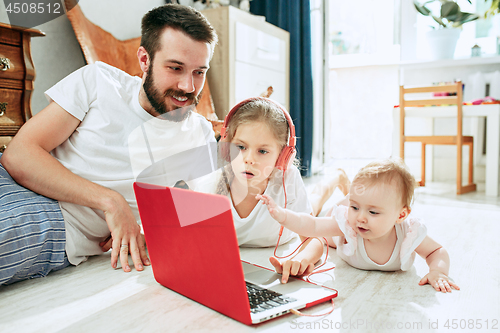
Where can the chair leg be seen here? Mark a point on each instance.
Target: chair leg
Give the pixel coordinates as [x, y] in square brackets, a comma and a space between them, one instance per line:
[459, 168]
[471, 163]
[422, 180]
[470, 187]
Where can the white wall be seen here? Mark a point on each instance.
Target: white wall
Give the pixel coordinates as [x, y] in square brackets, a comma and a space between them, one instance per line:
[58, 53]
[363, 86]
[361, 103]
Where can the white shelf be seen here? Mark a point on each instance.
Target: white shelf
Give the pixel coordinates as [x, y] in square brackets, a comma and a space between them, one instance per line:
[484, 60]
[363, 60]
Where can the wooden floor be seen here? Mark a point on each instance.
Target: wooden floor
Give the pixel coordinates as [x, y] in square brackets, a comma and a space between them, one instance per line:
[95, 298]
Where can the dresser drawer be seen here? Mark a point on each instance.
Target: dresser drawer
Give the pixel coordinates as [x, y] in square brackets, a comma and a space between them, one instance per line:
[14, 54]
[12, 115]
[4, 141]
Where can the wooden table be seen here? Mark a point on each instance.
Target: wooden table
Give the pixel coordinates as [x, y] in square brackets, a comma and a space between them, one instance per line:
[17, 74]
[489, 111]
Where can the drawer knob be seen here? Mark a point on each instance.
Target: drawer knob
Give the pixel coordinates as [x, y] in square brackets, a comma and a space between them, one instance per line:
[3, 108]
[4, 64]
[2, 148]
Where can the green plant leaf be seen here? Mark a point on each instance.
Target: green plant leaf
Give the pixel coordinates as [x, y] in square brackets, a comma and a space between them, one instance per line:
[493, 10]
[438, 20]
[449, 8]
[467, 17]
[450, 13]
[421, 8]
[454, 18]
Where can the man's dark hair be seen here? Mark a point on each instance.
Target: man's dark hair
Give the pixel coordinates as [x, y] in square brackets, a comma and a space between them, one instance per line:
[185, 19]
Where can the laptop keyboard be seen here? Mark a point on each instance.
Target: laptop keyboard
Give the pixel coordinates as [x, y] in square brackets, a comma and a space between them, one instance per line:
[264, 299]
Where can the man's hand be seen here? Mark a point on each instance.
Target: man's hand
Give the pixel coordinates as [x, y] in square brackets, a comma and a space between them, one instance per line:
[126, 235]
[108, 242]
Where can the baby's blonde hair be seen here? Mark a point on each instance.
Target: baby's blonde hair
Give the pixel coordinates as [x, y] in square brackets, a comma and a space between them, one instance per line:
[384, 172]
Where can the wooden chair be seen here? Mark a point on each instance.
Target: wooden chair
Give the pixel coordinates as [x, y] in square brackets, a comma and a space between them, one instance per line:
[459, 139]
[99, 45]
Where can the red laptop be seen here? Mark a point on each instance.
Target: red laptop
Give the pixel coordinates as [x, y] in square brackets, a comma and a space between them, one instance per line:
[194, 251]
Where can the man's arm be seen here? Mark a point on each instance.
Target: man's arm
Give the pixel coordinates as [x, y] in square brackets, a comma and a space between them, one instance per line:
[28, 161]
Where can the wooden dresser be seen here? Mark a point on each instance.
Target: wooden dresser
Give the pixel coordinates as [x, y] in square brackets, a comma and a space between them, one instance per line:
[252, 55]
[17, 74]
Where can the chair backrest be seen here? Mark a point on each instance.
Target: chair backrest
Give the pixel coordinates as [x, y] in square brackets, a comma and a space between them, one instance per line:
[99, 45]
[449, 94]
[441, 97]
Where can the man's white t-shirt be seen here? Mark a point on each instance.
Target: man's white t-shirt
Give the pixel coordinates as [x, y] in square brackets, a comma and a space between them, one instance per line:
[116, 141]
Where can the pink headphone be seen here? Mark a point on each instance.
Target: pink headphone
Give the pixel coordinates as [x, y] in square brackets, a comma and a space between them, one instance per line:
[287, 155]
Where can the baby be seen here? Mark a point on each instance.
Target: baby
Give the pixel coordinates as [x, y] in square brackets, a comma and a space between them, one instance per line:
[375, 232]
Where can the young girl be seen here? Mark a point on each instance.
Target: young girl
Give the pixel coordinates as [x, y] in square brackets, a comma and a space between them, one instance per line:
[375, 232]
[256, 132]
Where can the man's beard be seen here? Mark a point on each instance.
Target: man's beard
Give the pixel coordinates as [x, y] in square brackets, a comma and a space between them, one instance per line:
[157, 99]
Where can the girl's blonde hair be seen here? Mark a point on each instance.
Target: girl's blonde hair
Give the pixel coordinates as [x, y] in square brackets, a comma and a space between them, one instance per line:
[258, 110]
[385, 171]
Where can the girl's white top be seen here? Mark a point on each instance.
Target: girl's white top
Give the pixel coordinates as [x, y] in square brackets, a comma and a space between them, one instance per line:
[259, 229]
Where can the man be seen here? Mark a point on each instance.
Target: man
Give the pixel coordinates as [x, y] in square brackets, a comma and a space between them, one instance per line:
[77, 150]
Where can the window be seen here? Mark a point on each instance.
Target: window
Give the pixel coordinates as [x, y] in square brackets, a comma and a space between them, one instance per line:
[362, 32]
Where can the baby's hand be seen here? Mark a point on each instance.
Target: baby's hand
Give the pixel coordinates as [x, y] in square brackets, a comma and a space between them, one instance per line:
[278, 213]
[439, 281]
[291, 267]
